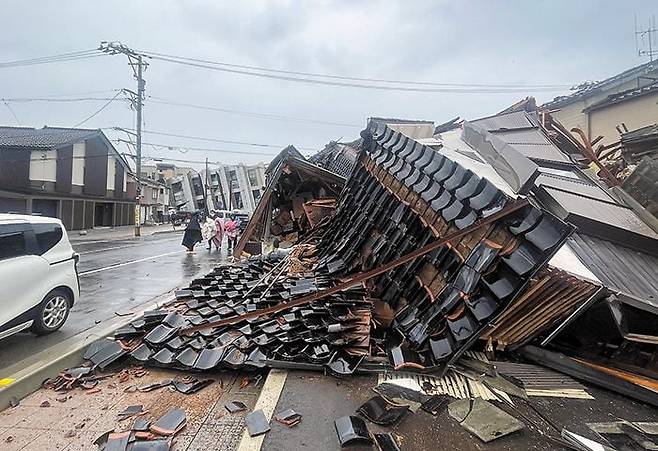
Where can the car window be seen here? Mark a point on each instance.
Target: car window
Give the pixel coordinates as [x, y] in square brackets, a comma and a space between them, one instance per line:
[47, 236]
[12, 242]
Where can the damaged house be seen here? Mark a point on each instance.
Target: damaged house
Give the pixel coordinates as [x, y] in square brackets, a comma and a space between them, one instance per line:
[298, 194]
[483, 234]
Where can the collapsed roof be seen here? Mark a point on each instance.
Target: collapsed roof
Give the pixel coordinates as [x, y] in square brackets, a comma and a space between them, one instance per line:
[283, 213]
[442, 237]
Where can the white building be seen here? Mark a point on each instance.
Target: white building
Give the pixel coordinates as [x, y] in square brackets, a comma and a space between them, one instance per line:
[236, 187]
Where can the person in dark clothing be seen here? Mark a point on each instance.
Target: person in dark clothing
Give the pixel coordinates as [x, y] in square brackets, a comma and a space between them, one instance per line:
[192, 234]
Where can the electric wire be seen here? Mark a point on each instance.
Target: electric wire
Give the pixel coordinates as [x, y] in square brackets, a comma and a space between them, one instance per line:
[56, 100]
[11, 110]
[204, 149]
[202, 138]
[352, 78]
[356, 85]
[163, 101]
[64, 57]
[99, 110]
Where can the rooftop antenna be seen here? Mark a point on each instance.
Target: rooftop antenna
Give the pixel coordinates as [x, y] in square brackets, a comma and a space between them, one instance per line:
[645, 39]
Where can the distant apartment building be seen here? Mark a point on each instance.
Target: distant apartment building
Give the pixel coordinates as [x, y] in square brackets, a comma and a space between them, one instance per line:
[187, 192]
[236, 187]
[164, 171]
[72, 174]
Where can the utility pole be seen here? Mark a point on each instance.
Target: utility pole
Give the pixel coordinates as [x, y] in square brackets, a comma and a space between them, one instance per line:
[208, 190]
[138, 65]
[138, 150]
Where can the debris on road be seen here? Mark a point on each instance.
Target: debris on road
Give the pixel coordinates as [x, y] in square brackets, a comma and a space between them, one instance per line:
[352, 431]
[131, 411]
[483, 419]
[386, 442]
[288, 417]
[448, 261]
[235, 406]
[379, 411]
[257, 423]
[170, 423]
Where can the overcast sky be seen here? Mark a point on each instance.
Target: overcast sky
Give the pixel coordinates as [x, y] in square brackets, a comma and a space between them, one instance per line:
[491, 42]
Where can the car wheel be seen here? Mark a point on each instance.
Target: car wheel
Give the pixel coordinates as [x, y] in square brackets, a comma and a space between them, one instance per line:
[52, 312]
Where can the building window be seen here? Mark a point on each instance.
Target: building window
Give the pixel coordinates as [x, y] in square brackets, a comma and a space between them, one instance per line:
[253, 177]
[237, 201]
[233, 179]
[256, 194]
[154, 194]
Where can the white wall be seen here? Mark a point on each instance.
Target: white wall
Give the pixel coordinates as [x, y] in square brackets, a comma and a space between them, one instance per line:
[111, 172]
[78, 174]
[43, 165]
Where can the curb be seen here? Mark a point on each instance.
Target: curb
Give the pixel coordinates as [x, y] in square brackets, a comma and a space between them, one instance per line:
[20, 380]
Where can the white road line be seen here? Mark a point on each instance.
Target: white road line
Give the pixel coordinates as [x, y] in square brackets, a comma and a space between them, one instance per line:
[118, 265]
[108, 249]
[267, 400]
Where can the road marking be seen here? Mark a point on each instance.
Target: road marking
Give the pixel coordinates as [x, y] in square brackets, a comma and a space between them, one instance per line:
[267, 400]
[6, 381]
[108, 249]
[119, 265]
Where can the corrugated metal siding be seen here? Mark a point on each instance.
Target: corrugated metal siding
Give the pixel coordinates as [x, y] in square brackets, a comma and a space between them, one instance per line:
[574, 186]
[618, 267]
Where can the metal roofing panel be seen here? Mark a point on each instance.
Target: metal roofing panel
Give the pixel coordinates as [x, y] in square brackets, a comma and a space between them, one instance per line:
[607, 213]
[458, 151]
[509, 121]
[566, 260]
[579, 187]
[618, 267]
[518, 170]
[533, 144]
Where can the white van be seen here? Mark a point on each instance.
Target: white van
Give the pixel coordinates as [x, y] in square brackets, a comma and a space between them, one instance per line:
[38, 274]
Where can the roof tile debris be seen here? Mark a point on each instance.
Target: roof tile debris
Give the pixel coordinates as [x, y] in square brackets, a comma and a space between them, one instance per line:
[427, 252]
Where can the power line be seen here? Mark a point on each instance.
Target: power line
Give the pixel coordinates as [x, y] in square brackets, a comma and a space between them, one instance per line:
[202, 138]
[352, 78]
[357, 85]
[163, 101]
[72, 56]
[157, 159]
[12, 112]
[99, 110]
[56, 100]
[251, 113]
[204, 149]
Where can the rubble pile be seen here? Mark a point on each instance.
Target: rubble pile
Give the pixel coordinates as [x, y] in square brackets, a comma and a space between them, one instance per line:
[403, 196]
[456, 253]
[322, 333]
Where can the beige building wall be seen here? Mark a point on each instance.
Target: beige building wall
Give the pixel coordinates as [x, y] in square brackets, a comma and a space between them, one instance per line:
[635, 113]
[572, 115]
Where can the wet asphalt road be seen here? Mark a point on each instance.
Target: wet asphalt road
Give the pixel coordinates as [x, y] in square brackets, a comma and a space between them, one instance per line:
[116, 277]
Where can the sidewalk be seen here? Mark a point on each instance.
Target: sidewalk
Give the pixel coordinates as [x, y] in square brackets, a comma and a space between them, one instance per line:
[84, 415]
[122, 232]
